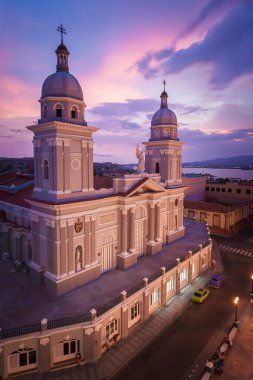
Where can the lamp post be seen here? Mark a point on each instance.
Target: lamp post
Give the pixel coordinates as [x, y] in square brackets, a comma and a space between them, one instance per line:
[236, 322]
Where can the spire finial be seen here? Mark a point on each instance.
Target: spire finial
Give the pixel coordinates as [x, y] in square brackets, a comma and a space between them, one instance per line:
[62, 31]
[164, 84]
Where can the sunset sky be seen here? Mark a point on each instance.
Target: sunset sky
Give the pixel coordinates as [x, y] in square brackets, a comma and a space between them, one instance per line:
[120, 51]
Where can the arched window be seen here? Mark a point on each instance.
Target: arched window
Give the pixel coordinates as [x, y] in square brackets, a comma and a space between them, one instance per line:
[24, 358]
[157, 167]
[58, 110]
[45, 169]
[44, 111]
[74, 112]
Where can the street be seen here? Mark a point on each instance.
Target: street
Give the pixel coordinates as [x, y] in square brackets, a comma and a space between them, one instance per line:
[171, 355]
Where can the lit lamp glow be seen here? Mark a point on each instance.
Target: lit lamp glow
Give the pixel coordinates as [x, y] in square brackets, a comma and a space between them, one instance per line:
[236, 322]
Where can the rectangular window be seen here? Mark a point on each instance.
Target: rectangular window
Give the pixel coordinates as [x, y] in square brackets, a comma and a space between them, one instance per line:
[216, 220]
[248, 191]
[207, 188]
[111, 328]
[229, 190]
[218, 189]
[183, 275]
[154, 297]
[203, 216]
[66, 348]
[170, 285]
[135, 311]
[193, 268]
[23, 359]
[32, 357]
[58, 112]
[238, 191]
[212, 188]
[223, 190]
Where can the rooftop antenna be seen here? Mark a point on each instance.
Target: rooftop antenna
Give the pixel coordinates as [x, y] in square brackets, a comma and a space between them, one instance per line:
[62, 31]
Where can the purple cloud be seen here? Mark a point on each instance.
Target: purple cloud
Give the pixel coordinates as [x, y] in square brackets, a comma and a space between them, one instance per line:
[227, 47]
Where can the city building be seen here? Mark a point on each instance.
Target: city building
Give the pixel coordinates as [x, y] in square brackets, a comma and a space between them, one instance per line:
[67, 232]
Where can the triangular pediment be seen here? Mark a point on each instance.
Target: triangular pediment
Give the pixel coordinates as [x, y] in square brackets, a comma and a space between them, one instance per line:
[145, 186]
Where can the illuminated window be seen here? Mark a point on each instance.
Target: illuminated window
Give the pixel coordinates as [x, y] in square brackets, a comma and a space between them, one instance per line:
[135, 311]
[170, 285]
[67, 349]
[154, 297]
[111, 329]
[183, 275]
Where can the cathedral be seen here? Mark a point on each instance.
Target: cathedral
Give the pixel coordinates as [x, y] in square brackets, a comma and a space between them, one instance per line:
[73, 233]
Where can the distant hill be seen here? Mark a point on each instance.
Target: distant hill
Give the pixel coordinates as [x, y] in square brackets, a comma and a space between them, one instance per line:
[245, 162]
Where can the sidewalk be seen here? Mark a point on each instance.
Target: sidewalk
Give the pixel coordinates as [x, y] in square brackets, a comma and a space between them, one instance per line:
[239, 359]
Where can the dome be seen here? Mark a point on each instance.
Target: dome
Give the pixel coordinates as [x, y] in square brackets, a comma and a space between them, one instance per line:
[61, 83]
[164, 116]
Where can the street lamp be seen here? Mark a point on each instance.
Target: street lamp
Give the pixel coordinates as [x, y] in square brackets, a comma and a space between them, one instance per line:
[236, 322]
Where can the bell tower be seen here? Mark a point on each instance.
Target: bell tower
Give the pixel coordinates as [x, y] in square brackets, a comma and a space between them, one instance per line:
[163, 154]
[63, 142]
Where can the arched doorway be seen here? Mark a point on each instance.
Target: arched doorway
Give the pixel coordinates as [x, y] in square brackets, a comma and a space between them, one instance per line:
[140, 230]
[157, 167]
[106, 252]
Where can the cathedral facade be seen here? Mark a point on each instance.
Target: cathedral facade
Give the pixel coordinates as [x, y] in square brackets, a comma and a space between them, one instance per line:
[78, 233]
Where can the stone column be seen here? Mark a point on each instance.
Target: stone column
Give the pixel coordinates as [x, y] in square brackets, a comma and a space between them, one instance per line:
[151, 223]
[35, 240]
[178, 276]
[132, 230]
[146, 295]
[124, 232]
[17, 253]
[124, 316]
[37, 163]
[200, 258]
[87, 241]
[90, 172]
[189, 267]
[63, 239]
[51, 251]
[58, 165]
[163, 287]
[51, 171]
[66, 171]
[158, 223]
[85, 172]
[70, 248]
[93, 240]
[89, 345]
[98, 340]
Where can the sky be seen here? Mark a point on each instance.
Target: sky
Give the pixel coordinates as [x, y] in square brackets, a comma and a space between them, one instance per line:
[120, 52]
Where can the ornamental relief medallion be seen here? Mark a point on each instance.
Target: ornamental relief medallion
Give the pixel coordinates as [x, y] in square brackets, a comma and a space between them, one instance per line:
[107, 218]
[78, 227]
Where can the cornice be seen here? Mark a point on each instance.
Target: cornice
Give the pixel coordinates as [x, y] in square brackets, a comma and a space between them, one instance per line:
[60, 127]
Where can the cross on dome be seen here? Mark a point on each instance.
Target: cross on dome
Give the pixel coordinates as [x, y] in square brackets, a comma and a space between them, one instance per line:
[164, 84]
[62, 31]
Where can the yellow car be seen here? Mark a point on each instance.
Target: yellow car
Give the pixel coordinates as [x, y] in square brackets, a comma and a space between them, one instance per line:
[200, 295]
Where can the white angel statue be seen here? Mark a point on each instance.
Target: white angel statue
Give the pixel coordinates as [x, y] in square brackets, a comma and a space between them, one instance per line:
[140, 157]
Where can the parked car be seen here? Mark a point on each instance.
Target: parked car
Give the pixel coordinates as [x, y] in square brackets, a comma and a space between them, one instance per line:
[216, 280]
[200, 295]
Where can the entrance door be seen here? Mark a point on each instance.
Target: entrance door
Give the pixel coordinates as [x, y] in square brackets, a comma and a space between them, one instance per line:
[107, 257]
[139, 237]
